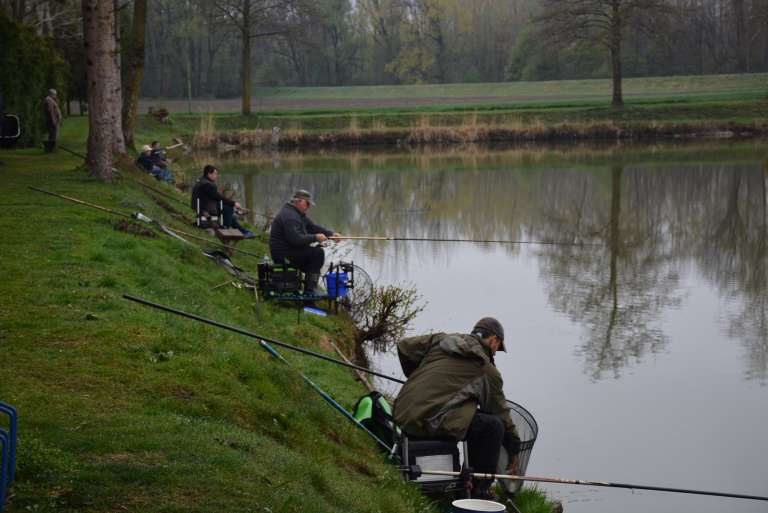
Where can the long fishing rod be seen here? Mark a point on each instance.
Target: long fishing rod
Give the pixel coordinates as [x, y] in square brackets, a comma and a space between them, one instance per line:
[158, 191]
[541, 479]
[430, 239]
[330, 400]
[142, 217]
[75, 153]
[81, 202]
[256, 336]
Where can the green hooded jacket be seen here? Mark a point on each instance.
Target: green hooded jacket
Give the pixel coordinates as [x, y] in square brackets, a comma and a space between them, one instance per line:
[449, 376]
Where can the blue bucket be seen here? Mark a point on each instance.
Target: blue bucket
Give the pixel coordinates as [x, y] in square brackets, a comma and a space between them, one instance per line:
[332, 280]
[476, 506]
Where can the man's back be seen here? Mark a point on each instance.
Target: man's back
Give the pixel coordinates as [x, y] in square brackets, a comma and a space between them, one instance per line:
[443, 393]
[207, 193]
[291, 229]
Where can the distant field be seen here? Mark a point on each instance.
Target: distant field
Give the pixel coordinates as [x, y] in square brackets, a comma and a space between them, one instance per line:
[494, 95]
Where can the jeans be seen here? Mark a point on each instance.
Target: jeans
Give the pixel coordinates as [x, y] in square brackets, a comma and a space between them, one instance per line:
[163, 174]
[229, 218]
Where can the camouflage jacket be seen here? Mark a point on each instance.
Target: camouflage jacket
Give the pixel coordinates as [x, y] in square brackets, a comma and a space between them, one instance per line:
[449, 376]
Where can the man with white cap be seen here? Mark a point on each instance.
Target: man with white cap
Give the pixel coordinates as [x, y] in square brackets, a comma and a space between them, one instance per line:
[149, 164]
[292, 234]
[454, 390]
[52, 119]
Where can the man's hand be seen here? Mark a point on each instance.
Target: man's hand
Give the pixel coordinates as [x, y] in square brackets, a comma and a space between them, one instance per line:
[320, 237]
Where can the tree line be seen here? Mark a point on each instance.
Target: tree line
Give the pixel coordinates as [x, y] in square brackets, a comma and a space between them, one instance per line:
[197, 48]
[120, 49]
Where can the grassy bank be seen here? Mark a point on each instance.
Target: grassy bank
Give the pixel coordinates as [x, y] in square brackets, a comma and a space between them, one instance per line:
[656, 108]
[455, 126]
[461, 126]
[745, 87]
[123, 408]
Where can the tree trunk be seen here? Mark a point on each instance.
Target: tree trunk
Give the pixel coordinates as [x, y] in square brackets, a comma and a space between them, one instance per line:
[615, 48]
[188, 64]
[99, 39]
[741, 35]
[135, 71]
[246, 32]
[19, 8]
[116, 87]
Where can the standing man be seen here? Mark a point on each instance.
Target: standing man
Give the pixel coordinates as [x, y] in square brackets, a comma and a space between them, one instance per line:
[454, 390]
[292, 233]
[52, 119]
[207, 198]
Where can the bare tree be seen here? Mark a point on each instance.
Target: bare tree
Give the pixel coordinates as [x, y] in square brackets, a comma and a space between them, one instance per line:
[742, 38]
[103, 84]
[255, 19]
[603, 22]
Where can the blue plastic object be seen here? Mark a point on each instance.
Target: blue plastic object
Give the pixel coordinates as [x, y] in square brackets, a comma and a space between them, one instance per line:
[336, 283]
[5, 449]
[10, 411]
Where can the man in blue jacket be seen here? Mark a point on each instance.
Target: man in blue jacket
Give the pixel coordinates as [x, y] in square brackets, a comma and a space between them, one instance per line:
[292, 233]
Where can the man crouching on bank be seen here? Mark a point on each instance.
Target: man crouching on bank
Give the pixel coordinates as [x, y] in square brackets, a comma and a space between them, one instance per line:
[454, 390]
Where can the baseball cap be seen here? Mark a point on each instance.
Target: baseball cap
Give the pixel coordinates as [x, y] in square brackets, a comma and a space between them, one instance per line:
[493, 327]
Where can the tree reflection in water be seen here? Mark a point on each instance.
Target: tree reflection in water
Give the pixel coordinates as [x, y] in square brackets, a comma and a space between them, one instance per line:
[733, 256]
[616, 290]
[651, 220]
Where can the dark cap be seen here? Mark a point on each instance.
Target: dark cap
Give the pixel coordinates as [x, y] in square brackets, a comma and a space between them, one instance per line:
[493, 327]
[303, 194]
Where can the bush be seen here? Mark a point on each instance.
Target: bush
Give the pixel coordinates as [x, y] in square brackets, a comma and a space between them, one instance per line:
[30, 67]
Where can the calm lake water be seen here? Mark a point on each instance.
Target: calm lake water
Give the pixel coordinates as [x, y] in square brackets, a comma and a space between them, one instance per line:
[643, 353]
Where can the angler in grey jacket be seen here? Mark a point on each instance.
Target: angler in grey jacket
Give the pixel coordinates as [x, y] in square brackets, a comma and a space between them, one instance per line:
[290, 237]
[454, 390]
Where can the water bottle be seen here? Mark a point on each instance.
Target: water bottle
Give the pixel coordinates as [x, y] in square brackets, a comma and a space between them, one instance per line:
[141, 217]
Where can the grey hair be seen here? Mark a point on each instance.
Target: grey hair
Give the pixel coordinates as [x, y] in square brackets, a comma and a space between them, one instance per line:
[52, 92]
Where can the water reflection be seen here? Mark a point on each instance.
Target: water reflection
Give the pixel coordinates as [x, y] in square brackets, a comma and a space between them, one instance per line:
[617, 290]
[733, 257]
[653, 214]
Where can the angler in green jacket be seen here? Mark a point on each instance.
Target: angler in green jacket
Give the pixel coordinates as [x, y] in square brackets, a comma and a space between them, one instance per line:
[454, 390]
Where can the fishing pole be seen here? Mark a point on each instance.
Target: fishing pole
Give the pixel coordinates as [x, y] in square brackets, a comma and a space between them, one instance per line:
[144, 218]
[81, 202]
[158, 191]
[75, 153]
[256, 336]
[428, 239]
[330, 400]
[541, 479]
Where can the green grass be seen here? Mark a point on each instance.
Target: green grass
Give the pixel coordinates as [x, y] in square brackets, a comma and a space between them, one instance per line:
[125, 408]
[694, 100]
[717, 85]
